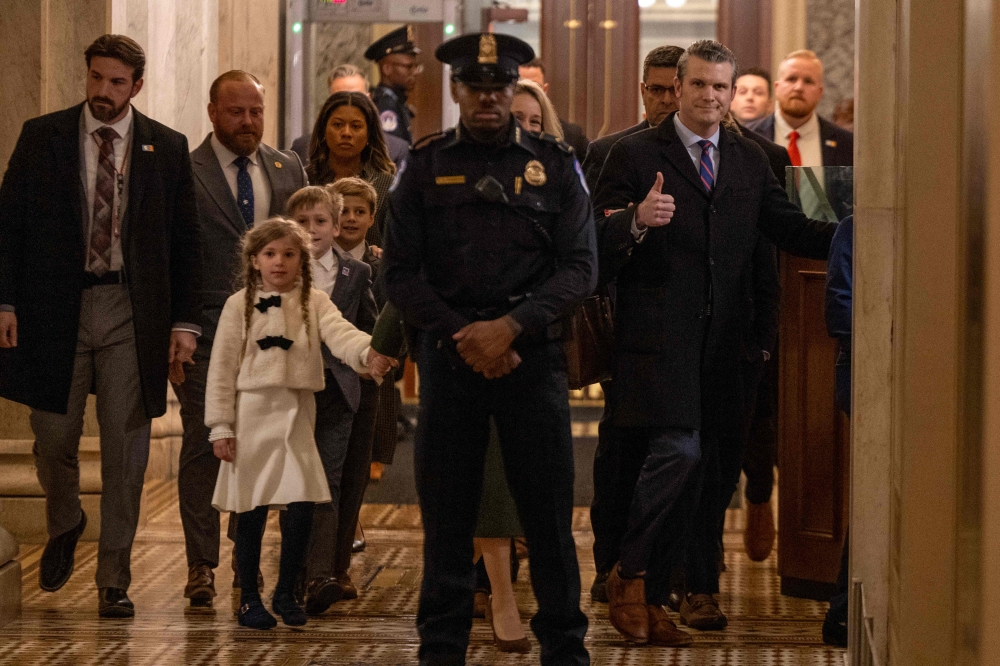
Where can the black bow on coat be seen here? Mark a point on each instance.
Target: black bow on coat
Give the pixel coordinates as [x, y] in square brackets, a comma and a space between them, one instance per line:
[274, 341]
[265, 303]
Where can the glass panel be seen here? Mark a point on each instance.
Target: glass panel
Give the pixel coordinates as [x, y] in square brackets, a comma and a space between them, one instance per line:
[823, 193]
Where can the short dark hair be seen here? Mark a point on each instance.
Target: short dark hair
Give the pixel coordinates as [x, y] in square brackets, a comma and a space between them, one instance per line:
[231, 75]
[121, 48]
[661, 56]
[757, 71]
[708, 50]
[535, 63]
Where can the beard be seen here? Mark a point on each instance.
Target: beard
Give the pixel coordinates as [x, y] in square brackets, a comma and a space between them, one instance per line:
[797, 107]
[243, 142]
[107, 111]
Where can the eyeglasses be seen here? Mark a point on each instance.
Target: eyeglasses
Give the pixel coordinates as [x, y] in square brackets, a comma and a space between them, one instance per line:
[657, 91]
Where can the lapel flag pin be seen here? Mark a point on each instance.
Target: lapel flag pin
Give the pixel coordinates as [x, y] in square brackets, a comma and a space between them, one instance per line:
[278, 165]
[147, 147]
[831, 143]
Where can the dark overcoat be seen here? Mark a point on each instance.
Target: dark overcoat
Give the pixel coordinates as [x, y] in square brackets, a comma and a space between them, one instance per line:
[42, 223]
[681, 311]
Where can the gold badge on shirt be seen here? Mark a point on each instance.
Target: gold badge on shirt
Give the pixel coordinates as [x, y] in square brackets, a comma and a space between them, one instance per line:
[534, 173]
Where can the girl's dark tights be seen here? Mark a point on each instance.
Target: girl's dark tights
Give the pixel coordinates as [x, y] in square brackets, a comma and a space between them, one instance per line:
[295, 530]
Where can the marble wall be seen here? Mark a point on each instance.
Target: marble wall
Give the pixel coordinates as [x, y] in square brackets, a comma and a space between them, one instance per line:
[249, 38]
[337, 44]
[830, 33]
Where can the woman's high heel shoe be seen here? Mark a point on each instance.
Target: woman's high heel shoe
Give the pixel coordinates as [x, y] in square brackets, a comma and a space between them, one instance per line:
[520, 646]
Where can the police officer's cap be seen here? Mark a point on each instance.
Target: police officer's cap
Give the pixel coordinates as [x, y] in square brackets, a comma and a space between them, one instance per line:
[485, 58]
[397, 41]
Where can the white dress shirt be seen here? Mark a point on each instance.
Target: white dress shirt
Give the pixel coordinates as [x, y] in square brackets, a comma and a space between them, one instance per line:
[259, 180]
[690, 141]
[810, 143]
[90, 148]
[324, 271]
[358, 251]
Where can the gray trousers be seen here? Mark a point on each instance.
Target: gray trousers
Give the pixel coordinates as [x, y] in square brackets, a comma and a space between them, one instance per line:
[199, 468]
[344, 441]
[105, 359]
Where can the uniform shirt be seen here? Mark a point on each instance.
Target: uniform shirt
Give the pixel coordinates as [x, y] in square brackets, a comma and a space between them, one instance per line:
[453, 257]
[392, 110]
[259, 180]
[90, 149]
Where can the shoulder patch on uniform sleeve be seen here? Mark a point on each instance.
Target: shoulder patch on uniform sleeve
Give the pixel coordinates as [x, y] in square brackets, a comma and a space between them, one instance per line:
[390, 121]
[579, 172]
[399, 174]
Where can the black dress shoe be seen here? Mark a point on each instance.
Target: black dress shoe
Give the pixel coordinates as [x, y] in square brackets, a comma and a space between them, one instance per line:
[675, 599]
[321, 593]
[252, 614]
[599, 591]
[56, 565]
[289, 610]
[114, 603]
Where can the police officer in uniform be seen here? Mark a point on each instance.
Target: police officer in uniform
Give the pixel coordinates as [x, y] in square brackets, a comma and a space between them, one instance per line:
[396, 55]
[491, 239]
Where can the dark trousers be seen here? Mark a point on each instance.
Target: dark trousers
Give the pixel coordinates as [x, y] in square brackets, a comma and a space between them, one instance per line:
[760, 456]
[531, 409]
[618, 462]
[344, 441]
[664, 494]
[198, 468]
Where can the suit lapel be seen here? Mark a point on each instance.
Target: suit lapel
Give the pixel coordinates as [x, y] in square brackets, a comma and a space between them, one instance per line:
[678, 156]
[341, 284]
[829, 152]
[142, 157]
[727, 146]
[209, 172]
[67, 158]
[270, 161]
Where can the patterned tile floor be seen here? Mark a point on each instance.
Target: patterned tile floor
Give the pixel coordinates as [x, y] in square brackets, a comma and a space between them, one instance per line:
[765, 628]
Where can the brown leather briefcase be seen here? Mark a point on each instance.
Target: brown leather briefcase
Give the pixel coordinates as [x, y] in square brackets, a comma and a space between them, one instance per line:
[589, 342]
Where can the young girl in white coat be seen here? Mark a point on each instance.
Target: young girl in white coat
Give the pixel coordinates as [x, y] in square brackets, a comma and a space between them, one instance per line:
[266, 364]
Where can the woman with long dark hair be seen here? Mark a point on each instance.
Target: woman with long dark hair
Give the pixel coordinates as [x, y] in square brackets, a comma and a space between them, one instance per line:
[347, 141]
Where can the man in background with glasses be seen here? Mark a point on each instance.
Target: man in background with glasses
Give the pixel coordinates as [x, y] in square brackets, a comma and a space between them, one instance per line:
[396, 55]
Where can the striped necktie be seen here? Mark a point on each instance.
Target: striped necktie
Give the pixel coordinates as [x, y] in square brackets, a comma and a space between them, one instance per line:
[705, 168]
[102, 229]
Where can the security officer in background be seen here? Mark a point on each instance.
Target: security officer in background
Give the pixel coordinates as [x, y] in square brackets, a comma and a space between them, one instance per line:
[396, 55]
[491, 239]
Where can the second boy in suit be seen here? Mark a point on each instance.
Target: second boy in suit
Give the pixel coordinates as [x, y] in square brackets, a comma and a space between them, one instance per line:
[239, 182]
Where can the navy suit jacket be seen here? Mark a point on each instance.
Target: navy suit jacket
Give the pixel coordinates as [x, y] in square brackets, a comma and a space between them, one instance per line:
[838, 143]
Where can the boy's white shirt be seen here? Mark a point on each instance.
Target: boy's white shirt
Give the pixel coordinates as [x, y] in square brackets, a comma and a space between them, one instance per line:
[299, 367]
[325, 271]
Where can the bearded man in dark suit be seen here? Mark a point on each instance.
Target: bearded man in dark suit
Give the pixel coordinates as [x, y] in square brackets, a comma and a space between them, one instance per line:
[100, 269]
[683, 327]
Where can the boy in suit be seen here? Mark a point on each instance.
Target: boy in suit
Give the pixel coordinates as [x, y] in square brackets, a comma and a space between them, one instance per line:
[341, 402]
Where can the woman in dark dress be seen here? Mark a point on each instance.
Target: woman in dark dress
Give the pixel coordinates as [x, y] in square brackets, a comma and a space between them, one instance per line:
[347, 141]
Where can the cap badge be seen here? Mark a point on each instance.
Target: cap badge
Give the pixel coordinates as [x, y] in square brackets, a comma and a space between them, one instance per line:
[409, 33]
[534, 173]
[487, 49]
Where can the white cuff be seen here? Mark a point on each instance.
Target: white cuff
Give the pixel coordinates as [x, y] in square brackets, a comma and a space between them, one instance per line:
[221, 432]
[638, 234]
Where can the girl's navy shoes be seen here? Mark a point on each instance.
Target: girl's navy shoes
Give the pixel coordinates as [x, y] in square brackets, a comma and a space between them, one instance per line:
[252, 614]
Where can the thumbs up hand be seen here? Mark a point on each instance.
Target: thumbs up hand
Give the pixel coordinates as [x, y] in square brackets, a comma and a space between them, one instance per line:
[657, 208]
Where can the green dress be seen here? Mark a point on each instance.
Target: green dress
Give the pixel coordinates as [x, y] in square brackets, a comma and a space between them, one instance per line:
[497, 511]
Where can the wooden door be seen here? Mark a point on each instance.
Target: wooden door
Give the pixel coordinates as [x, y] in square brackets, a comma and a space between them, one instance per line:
[813, 439]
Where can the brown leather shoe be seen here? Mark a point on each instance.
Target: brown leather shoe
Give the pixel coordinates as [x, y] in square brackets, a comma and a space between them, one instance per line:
[663, 631]
[200, 588]
[627, 607]
[758, 537]
[518, 646]
[702, 612]
[347, 588]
